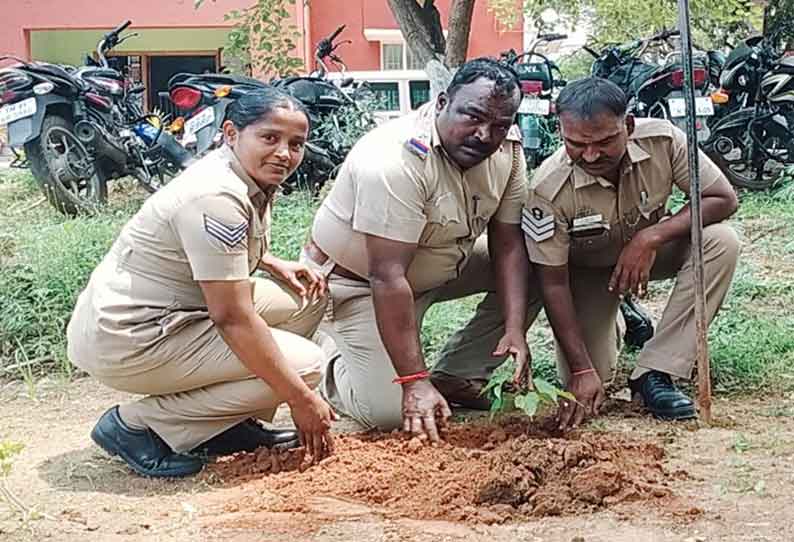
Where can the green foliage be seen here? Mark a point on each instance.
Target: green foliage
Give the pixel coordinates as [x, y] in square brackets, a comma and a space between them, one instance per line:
[714, 22]
[348, 123]
[528, 402]
[779, 18]
[263, 37]
[7, 451]
[575, 66]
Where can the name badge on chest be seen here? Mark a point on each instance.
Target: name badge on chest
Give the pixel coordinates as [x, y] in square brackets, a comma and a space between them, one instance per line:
[586, 226]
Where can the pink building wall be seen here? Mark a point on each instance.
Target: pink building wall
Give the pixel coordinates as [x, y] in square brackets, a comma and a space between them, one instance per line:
[326, 15]
[19, 17]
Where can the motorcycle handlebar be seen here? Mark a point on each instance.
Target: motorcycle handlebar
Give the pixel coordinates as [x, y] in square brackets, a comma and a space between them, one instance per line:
[592, 53]
[552, 37]
[119, 29]
[666, 34]
[336, 33]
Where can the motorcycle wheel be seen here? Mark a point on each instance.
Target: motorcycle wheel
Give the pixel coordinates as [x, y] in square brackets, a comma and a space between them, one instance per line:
[737, 163]
[68, 175]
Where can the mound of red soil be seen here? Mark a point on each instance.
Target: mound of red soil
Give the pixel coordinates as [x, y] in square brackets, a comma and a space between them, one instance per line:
[481, 473]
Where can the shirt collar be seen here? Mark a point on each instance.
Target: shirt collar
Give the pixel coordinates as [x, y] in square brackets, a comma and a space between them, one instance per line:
[237, 168]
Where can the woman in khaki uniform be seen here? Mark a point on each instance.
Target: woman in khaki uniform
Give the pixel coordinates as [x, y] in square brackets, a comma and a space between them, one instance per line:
[173, 313]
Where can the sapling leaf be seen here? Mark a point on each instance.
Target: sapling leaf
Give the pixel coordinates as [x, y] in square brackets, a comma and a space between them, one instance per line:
[566, 395]
[545, 389]
[528, 403]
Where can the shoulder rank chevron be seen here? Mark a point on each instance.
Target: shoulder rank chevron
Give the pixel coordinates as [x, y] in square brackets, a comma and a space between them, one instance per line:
[537, 225]
[228, 235]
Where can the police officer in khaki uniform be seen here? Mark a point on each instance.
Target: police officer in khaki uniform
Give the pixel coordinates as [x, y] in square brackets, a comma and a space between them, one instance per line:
[597, 228]
[402, 229]
[173, 313]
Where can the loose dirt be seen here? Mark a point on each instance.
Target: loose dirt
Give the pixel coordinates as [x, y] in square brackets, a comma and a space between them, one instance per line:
[731, 482]
[489, 473]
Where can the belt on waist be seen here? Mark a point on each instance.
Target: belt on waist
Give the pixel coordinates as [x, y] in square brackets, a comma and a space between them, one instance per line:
[318, 256]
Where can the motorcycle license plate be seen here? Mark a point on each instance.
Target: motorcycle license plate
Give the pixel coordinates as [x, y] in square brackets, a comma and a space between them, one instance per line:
[194, 124]
[20, 110]
[704, 107]
[534, 106]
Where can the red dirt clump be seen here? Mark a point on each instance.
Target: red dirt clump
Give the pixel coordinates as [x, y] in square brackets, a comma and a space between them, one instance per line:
[481, 473]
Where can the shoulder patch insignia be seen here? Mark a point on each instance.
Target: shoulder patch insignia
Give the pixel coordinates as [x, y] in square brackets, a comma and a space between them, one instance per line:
[417, 147]
[537, 225]
[228, 235]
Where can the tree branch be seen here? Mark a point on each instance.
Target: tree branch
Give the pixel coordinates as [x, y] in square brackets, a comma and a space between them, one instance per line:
[460, 16]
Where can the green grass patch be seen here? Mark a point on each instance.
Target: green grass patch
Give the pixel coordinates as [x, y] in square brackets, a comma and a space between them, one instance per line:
[46, 259]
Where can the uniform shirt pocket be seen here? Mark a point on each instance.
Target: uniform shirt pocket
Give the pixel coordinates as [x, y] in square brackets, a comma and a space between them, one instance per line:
[591, 243]
[444, 223]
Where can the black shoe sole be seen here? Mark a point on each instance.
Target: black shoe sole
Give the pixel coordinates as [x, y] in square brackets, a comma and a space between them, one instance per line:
[108, 445]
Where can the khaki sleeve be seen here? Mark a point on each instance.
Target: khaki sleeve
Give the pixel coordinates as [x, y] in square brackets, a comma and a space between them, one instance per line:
[213, 230]
[389, 201]
[709, 172]
[509, 210]
[545, 232]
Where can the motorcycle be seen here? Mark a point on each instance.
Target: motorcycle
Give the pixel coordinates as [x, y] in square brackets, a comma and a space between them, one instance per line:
[655, 89]
[81, 127]
[535, 117]
[206, 97]
[753, 139]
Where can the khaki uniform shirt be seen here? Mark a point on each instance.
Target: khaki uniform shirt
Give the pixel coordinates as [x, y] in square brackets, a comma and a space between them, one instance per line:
[574, 218]
[399, 184]
[210, 223]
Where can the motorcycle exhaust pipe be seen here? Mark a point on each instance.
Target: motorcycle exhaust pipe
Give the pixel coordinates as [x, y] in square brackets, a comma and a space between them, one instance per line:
[92, 135]
[176, 152]
[723, 145]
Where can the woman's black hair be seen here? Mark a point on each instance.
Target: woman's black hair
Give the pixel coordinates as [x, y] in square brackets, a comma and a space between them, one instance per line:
[257, 105]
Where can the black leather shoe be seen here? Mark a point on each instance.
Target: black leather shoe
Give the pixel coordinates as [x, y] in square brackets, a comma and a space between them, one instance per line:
[247, 436]
[639, 325]
[662, 398]
[143, 450]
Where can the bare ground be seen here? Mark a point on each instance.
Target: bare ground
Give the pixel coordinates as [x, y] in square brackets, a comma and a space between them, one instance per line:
[739, 485]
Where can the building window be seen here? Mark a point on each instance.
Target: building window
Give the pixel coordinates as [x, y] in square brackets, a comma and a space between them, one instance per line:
[387, 96]
[412, 61]
[398, 56]
[419, 92]
[393, 56]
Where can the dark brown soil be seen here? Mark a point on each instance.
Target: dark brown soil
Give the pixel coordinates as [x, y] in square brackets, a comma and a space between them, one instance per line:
[482, 473]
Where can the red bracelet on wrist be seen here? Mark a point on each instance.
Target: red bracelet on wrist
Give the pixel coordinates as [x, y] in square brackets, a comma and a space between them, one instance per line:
[412, 378]
[583, 372]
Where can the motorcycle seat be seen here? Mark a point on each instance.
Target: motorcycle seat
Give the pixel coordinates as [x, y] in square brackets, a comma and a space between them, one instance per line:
[94, 71]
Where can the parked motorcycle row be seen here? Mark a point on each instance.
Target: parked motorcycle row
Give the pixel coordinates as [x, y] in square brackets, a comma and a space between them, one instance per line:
[81, 127]
[744, 102]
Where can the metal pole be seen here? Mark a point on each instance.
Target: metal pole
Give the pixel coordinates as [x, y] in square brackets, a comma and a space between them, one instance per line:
[701, 327]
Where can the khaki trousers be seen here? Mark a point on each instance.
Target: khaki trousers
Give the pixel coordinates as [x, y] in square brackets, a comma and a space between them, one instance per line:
[358, 382]
[672, 348]
[197, 388]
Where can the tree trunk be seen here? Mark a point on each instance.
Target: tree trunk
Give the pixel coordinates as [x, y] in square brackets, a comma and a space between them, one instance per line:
[421, 28]
[412, 25]
[459, 26]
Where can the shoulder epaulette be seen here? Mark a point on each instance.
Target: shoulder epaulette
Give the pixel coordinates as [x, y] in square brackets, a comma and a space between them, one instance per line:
[551, 176]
